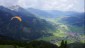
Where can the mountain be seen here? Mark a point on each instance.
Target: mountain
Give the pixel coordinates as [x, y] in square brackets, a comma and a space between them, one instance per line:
[52, 13]
[30, 28]
[77, 20]
[5, 22]
[52, 26]
[65, 17]
[39, 13]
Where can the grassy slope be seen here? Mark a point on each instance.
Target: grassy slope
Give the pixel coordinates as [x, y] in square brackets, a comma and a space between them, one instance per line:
[8, 46]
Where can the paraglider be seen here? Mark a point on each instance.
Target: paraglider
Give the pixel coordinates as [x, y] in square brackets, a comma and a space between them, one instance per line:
[16, 17]
[14, 23]
[14, 27]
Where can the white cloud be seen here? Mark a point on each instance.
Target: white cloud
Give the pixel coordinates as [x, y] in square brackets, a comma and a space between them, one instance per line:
[64, 5]
[8, 2]
[70, 6]
[21, 3]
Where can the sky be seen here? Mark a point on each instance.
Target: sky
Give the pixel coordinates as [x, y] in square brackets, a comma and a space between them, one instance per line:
[62, 5]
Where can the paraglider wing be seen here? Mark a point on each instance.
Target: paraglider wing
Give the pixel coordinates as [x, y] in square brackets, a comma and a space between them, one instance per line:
[17, 17]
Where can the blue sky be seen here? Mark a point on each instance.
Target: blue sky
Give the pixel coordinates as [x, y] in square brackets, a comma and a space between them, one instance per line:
[63, 5]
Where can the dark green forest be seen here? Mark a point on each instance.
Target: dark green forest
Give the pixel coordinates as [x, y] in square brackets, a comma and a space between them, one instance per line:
[40, 44]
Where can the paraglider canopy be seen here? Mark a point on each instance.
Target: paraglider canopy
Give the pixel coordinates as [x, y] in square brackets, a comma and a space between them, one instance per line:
[16, 17]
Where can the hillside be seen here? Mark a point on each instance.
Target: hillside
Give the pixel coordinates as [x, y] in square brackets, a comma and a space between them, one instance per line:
[25, 30]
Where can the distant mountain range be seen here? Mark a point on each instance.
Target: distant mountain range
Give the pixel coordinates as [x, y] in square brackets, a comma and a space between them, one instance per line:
[69, 17]
[53, 13]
